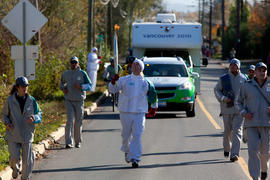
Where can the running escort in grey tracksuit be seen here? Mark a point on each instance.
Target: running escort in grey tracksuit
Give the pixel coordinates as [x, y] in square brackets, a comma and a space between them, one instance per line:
[74, 100]
[233, 122]
[251, 100]
[22, 135]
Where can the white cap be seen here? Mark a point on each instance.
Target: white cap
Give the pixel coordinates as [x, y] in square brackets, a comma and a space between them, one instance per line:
[94, 49]
[140, 63]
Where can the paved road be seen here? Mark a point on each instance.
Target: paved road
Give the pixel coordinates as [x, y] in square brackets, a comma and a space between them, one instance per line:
[174, 146]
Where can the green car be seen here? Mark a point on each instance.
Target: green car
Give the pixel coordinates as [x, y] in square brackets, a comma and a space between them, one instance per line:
[174, 83]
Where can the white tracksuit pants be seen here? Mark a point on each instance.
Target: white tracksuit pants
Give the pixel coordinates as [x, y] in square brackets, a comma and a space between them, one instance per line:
[74, 110]
[27, 157]
[233, 124]
[132, 128]
[93, 77]
[258, 150]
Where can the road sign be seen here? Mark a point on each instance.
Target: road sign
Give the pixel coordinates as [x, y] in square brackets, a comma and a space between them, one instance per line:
[34, 20]
[31, 52]
[30, 70]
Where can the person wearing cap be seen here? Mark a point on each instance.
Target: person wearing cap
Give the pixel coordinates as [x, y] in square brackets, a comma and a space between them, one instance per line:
[225, 91]
[126, 70]
[93, 62]
[249, 76]
[251, 71]
[109, 71]
[20, 114]
[74, 83]
[253, 103]
[132, 106]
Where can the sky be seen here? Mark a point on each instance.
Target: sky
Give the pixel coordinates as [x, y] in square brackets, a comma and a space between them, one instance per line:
[183, 5]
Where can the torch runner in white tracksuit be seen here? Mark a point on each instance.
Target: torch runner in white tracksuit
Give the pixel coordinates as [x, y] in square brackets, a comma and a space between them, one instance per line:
[92, 67]
[133, 106]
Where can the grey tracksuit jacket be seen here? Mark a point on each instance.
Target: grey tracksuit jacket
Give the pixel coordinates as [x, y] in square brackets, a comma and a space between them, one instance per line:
[236, 82]
[11, 114]
[251, 100]
[69, 78]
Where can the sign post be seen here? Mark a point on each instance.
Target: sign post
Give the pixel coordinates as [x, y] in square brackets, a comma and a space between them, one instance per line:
[24, 41]
[24, 21]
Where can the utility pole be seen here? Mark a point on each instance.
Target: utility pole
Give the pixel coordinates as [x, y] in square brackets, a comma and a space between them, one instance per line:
[202, 19]
[199, 12]
[237, 24]
[210, 27]
[130, 24]
[94, 24]
[223, 27]
[110, 27]
[89, 25]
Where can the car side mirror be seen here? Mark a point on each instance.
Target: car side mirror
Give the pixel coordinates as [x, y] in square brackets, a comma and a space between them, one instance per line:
[195, 75]
[205, 61]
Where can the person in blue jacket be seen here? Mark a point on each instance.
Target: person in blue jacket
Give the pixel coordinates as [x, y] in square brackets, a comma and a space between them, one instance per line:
[20, 114]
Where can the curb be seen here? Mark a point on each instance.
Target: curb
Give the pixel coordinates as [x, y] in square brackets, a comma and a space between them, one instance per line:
[41, 147]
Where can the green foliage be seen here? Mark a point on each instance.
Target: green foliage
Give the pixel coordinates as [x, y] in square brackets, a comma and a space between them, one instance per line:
[4, 155]
[230, 35]
[53, 115]
[48, 74]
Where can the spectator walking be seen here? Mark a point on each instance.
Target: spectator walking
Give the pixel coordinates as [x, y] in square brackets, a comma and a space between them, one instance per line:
[20, 114]
[74, 83]
[253, 103]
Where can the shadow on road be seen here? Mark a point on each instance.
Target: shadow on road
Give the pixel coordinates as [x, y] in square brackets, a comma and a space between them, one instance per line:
[100, 130]
[124, 166]
[111, 116]
[207, 135]
[184, 152]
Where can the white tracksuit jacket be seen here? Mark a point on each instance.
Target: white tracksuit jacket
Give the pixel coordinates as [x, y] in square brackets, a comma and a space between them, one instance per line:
[92, 68]
[132, 105]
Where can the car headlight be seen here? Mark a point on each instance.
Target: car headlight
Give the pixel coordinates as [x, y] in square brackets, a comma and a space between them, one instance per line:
[186, 85]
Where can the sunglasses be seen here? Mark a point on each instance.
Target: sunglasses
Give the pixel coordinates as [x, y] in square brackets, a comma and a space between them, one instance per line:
[73, 62]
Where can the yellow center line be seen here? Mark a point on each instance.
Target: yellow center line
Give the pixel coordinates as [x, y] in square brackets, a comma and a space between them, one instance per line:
[211, 119]
[241, 161]
[244, 166]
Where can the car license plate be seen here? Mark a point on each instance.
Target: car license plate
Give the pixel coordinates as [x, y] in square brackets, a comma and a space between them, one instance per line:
[162, 104]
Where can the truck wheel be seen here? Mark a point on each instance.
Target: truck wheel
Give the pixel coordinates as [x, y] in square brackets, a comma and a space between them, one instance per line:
[192, 112]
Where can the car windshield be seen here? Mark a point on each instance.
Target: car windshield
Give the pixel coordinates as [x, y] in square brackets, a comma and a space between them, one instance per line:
[165, 70]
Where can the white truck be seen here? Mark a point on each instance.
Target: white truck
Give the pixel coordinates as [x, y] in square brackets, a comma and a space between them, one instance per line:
[168, 38]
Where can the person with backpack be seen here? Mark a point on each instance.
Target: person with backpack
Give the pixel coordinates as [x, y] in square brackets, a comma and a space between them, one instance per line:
[225, 91]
